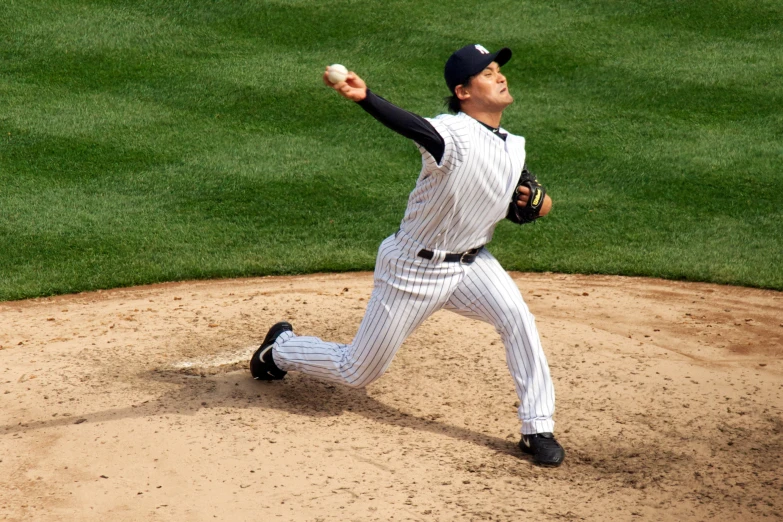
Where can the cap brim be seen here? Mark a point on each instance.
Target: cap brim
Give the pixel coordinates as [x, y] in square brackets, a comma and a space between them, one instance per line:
[502, 56]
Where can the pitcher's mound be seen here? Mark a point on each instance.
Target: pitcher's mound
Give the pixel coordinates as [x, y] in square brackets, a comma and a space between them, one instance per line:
[136, 404]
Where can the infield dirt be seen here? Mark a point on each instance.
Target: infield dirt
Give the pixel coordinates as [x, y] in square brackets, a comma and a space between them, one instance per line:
[136, 404]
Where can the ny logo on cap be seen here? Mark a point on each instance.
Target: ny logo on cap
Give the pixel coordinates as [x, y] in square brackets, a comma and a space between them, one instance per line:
[481, 49]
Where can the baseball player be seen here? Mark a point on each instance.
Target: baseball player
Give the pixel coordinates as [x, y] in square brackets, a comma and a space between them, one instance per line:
[473, 175]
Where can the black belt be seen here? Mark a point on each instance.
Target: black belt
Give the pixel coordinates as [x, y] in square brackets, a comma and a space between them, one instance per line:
[464, 257]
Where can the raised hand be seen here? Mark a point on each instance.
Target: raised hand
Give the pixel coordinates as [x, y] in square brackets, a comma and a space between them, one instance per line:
[352, 88]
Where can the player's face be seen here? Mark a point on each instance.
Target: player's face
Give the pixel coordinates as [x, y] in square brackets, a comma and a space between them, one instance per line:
[489, 88]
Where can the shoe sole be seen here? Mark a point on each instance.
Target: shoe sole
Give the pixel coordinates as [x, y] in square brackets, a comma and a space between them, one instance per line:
[548, 464]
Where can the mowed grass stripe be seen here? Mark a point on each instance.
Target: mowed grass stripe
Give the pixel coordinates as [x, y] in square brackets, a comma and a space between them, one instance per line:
[153, 141]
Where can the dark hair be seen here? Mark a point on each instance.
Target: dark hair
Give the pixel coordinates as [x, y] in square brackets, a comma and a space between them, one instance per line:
[452, 102]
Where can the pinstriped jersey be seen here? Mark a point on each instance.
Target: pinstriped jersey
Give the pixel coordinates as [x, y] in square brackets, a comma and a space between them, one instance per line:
[457, 203]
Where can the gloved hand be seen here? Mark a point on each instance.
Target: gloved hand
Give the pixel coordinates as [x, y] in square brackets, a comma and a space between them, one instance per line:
[525, 208]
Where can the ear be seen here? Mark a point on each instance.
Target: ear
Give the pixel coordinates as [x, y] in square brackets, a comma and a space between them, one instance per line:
[461, 92]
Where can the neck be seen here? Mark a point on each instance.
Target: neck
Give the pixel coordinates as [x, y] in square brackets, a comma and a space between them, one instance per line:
[491, 118]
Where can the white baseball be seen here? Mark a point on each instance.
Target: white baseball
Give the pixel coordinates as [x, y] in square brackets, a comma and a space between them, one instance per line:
[337, 73]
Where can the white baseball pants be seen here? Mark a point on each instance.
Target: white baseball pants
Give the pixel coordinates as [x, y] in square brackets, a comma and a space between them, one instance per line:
[408, 289]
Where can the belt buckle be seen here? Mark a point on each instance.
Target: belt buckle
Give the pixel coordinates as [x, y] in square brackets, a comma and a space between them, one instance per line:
[462, 258]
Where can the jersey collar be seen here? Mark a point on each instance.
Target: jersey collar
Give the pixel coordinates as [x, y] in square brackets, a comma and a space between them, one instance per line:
[497, 131]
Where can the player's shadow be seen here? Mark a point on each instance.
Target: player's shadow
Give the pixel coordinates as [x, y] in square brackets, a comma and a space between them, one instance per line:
[303, 395]
[297, 394]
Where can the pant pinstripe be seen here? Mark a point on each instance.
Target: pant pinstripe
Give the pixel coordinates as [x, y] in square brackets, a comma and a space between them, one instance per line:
[407, 291]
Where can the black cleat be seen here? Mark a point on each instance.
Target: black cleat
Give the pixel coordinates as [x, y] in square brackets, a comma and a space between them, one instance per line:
[262, 366]
[545, 449]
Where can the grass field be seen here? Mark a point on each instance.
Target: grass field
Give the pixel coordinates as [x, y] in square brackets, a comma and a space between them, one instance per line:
[146, 141]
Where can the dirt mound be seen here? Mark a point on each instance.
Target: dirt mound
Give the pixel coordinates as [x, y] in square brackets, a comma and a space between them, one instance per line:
[136, 404]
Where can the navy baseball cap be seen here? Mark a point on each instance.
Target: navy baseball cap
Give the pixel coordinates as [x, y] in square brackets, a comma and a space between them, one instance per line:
[469, 61]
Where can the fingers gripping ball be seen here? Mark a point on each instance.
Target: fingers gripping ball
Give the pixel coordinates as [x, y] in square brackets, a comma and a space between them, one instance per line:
[530, 211]
[337, 73]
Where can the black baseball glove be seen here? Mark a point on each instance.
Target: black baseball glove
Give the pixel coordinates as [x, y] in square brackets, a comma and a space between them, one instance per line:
[529, 212]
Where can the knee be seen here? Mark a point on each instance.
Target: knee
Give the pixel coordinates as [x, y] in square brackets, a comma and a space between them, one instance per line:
[362, 381]
[355, 385]
[361, 371]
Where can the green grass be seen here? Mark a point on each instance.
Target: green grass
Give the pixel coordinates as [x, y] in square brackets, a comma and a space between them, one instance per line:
[148, 141]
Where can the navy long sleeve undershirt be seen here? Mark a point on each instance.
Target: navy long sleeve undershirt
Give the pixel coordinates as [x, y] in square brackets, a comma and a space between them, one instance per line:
[408, 124]
[411, 125]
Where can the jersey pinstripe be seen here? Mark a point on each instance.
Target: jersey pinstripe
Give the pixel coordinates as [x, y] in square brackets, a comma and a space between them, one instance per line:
[457, 204]
[454, 207]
